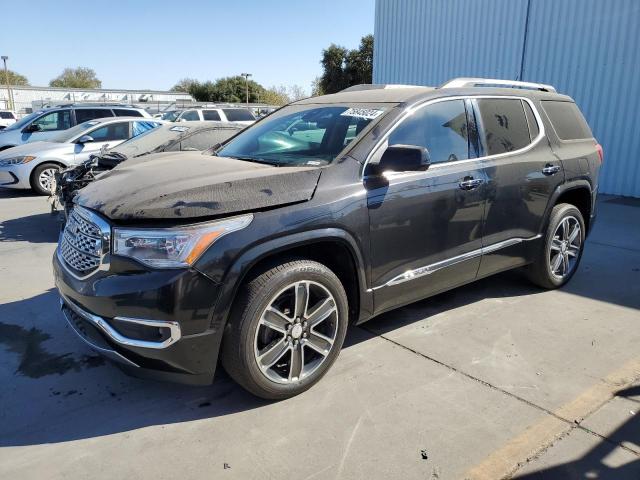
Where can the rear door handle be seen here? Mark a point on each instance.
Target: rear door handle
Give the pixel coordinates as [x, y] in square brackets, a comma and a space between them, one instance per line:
[550, 169]
[469, 183]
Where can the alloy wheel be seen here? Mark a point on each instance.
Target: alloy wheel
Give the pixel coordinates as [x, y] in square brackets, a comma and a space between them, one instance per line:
[46, 178]
[565, 247]
[296, 332]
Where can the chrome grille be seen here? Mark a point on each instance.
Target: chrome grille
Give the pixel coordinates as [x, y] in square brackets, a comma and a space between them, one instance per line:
[81, 244]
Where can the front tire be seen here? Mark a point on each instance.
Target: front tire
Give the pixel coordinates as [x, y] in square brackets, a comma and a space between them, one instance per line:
[43, 178]
[558, 259]
[286, 329]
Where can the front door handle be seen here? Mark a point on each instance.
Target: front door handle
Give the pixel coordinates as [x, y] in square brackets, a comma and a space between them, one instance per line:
[469, 183]
[550, 169]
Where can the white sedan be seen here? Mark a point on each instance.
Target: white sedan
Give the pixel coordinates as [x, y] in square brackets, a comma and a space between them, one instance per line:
[33, 165]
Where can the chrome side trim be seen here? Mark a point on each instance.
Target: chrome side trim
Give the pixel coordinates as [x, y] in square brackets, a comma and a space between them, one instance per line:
[412, 109]
[112, 354]
[101, 323]
[462, 82]
[434, 267]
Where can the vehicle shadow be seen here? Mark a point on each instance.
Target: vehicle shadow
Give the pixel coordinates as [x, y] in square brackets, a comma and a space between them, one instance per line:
[39, 228]
[594, 463]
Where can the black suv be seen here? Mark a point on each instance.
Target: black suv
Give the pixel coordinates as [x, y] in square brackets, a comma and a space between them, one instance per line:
[326, 213]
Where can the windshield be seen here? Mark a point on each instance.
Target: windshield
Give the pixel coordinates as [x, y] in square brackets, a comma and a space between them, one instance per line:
[67, 135]
[24, 121]
[151, 140]
[170, 116]
[303, 134]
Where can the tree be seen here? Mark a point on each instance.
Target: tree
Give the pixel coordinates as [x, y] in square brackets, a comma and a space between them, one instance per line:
[15, 79]
[296, 92]
[333, 78]
[184, 85]
[342, 68]
[275, 96]
[359, 63]
[80, 77]
[316, 88]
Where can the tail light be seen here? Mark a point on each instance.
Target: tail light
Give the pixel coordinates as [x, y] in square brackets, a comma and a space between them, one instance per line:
[600, 152]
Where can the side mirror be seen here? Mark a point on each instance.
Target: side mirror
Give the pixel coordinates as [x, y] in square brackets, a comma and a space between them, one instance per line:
[85, 139]
[404, 158]
[33, 127]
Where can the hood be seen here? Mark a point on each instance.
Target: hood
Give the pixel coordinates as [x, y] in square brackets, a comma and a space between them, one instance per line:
[190, 185]
[33, 148]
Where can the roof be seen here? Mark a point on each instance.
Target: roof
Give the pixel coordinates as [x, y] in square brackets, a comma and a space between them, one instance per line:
[411, 94]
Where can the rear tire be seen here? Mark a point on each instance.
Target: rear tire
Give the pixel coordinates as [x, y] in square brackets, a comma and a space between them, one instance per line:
[42, 178]
[559, 256]
[286, 329]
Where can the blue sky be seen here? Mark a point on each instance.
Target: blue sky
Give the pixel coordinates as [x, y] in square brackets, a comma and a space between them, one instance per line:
[152, 44]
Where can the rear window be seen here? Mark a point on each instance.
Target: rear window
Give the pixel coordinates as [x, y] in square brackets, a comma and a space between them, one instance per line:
[238, 115]
[84, 114]
[504, 124]
[567, 120]
[6, 115]
[210, 115]
[121, 112]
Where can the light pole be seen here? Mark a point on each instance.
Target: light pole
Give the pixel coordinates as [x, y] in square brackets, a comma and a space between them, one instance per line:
[246, 81]
[6, 78]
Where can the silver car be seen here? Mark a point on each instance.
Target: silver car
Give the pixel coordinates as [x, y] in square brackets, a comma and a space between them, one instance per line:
[33, 165]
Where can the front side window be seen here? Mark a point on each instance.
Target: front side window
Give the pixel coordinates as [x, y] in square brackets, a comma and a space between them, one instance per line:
[190, 116]
[111, 132]
[7, 116]
[303, 134]
[84, 114]
[504, 124]
[60, 120]
[440, 127]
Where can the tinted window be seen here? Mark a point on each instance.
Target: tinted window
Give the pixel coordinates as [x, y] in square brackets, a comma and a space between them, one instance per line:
[567, 120]
[505, 125]
[60, 120]
[84, 114]
[126, 113]
[440, 127]
[190, 116]
[210, 115]
[238, 115]
[7, 115]
[534, 129]
[113, 131]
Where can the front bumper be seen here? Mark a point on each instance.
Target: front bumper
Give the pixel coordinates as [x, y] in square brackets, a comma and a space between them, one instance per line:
[15, 176]
[152, 323]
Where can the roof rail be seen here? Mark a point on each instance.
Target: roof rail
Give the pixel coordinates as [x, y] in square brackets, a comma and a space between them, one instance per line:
[472, 82]
[375, 86]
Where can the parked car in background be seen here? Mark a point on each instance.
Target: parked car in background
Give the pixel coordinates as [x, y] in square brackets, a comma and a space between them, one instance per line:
[170, 116]
[46, 123]
[7, 117]
[265, 253]
[238, 115]
[170, 137]
[34, 165]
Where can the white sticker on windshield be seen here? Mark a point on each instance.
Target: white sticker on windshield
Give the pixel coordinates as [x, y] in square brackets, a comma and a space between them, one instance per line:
[179, 129]
[368, 113]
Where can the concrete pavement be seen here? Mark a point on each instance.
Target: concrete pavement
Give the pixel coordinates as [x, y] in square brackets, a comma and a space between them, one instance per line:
[496, 379]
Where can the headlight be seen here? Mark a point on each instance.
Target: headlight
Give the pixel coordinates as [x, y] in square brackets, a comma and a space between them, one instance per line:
[173, 247]
[16, 160]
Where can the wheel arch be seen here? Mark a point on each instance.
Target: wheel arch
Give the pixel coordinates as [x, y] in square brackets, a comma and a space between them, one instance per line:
[578, 193]
[333, 247]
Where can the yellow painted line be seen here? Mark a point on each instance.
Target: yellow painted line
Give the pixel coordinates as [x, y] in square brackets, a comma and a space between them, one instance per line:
[537, 437]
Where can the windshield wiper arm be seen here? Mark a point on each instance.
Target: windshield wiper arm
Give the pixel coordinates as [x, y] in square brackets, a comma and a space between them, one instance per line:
[255, 160]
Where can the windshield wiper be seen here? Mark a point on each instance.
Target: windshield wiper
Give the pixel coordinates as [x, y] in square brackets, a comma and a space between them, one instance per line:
[255, 160]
